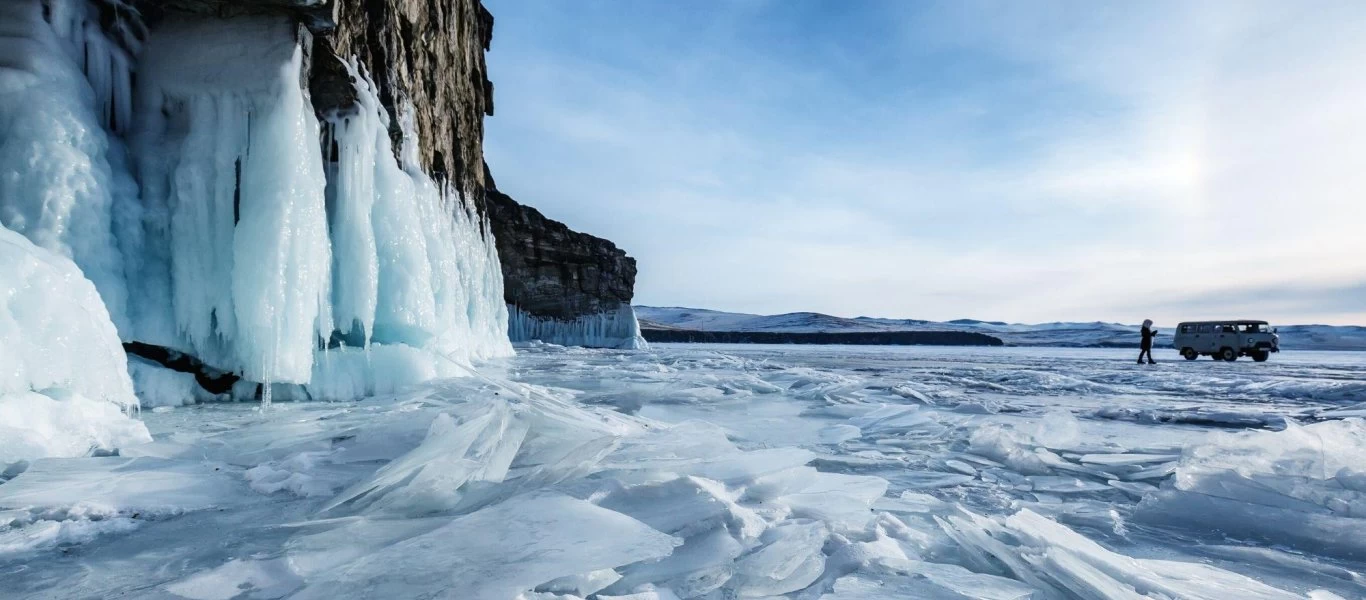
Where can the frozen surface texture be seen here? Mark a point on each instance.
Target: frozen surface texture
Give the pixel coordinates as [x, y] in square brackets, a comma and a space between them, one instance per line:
[613, 329]
[723, 473]
[64, 385]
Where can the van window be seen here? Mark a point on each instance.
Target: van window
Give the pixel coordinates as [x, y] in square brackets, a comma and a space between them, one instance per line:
[1185, 329]
[1230, 329]
[1206, 328]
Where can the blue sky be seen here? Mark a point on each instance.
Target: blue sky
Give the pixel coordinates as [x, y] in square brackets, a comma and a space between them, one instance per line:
[1022, 161]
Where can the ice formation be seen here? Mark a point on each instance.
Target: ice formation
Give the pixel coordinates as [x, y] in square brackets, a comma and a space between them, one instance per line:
[255, 238]
[64, 385]
[62, 177]
[612, 329]
[1304, 487]
[817, 480]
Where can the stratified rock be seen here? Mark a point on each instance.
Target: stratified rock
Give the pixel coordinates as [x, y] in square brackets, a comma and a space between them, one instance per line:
[561, 286]
[551, 271]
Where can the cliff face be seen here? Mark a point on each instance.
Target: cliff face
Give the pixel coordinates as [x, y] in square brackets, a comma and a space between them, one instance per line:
[551, 271]
[426, 59]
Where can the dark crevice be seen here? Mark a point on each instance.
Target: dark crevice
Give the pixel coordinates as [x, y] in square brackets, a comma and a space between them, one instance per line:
[212, 380]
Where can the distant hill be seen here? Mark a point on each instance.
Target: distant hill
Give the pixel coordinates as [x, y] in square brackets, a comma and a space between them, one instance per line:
[1078, 335]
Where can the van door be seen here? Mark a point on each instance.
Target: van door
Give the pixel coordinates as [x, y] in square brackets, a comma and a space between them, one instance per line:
[1227, 337]
[1205, 339]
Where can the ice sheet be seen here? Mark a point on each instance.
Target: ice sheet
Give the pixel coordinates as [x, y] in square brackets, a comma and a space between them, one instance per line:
[520, 470]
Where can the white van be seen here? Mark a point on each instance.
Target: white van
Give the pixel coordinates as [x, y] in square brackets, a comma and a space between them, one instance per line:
[1226, 340]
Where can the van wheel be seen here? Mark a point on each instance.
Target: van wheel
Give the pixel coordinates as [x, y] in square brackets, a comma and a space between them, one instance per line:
[1261, 355]
[1228, 354]
[1189, 353]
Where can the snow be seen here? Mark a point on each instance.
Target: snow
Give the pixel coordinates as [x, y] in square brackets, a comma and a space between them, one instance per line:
[64, 385]
[1095, 334]
[712, 471]
[612, 329]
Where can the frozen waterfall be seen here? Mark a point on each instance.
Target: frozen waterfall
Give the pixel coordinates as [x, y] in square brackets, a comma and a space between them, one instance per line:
[184, 170]
[610, 329]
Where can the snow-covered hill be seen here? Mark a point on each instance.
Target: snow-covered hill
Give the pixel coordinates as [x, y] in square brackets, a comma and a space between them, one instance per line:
[1095, 334]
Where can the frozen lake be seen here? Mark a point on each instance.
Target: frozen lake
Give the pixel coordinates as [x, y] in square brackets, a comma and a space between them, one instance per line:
[734, 471]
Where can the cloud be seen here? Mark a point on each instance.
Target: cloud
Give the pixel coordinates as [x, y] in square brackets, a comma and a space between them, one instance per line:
[1055, 161]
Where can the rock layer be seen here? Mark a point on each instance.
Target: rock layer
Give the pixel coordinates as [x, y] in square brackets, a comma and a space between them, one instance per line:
[551, 271]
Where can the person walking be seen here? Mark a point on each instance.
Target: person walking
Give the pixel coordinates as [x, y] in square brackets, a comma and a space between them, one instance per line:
[1145, 346]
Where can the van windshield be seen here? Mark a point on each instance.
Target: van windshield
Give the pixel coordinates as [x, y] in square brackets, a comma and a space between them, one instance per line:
[1254, 328]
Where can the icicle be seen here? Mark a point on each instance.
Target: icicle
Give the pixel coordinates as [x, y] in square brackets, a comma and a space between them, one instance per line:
[611, 329]
[234, 187]
[58, 187]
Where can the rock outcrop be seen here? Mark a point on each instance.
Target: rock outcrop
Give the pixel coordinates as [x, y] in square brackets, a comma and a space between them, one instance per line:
[570, 287]
[552, 271]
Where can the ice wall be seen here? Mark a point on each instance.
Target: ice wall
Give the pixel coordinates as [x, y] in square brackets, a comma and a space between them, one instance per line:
[274, 238]
[612, 329]
[251, 241]
[64, 385]
[62, 179]
[235, 240]
[413, 265]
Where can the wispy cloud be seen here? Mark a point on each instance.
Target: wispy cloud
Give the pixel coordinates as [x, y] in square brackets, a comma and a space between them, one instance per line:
[1023, 162]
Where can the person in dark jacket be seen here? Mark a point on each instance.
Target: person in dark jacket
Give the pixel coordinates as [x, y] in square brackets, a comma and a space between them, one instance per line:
[1145, 347]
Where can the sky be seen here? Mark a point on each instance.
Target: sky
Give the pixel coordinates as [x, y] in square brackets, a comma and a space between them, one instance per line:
[1020, 161]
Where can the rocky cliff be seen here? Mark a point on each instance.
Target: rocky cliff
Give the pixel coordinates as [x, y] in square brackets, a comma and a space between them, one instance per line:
[426, 60]
[561, 285]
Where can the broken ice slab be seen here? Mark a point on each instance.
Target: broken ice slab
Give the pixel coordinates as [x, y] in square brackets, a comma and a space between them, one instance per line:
[146, 486]
[497, 553]
[1063, 485]
[704, 563]
[897, 579]
[790, 560]
[1063, 563]
[961, 467]
[257, 578]
[581, 585]
[839, 433]
[1133, 488]
[838, 499]
[911, 502]
[1158, 472]
[1127, 459]
[926, 480]
[684, 506]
